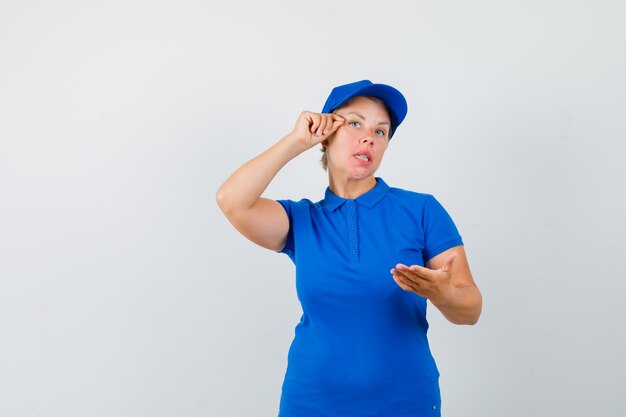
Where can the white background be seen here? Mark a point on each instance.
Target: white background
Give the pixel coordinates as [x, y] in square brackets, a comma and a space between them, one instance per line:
[125, 292]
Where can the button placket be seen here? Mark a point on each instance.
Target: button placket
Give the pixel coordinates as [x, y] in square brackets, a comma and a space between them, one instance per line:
[353, 232]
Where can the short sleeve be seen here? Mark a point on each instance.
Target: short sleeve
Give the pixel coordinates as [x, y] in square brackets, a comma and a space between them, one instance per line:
[289, 248]
[440, 232]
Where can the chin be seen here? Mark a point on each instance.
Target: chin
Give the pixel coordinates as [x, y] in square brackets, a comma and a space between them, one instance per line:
[362, 175]
[355, 172]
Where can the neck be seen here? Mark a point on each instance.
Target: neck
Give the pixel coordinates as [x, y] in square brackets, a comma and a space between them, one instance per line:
[350, 188]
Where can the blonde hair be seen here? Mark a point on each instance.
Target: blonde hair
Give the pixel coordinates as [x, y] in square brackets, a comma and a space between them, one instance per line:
[324, 158]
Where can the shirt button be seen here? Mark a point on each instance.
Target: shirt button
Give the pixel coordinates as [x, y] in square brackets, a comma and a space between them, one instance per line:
[350, 205]
[352, 227]
[354, 252]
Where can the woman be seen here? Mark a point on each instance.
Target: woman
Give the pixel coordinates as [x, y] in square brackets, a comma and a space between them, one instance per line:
[367, 257]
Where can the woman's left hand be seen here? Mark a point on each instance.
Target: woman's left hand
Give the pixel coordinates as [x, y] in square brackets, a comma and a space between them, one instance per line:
[434, 284]
[447, 282]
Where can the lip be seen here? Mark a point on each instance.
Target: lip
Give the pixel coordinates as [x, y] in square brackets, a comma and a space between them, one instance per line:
[365, 153]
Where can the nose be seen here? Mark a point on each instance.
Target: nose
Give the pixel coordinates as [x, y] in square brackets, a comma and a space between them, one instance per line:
[367, 139]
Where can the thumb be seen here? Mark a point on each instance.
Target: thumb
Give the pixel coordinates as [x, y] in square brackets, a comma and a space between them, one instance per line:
[337, 121]
[448, 264]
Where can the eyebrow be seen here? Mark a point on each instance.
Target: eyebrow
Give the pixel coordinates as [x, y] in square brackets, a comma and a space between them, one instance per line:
[361, 116]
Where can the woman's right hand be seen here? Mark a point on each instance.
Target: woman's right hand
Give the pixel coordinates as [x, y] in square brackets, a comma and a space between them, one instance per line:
[262, 220]
[313, 128]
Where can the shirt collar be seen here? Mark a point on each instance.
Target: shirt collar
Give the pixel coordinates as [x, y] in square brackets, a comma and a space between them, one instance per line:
[332, 202]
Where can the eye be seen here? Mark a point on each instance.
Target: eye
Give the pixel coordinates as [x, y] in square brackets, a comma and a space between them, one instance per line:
[354, 124]
[381, 132]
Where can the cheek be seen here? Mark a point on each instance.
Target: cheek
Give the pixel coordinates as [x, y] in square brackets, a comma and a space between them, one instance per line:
[341, 147]
[381, 150]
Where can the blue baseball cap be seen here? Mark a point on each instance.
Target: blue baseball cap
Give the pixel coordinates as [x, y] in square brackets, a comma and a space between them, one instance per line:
[395, 101]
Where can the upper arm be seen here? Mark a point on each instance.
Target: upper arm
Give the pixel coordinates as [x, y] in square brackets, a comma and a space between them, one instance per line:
[265, 223]
[462, 276]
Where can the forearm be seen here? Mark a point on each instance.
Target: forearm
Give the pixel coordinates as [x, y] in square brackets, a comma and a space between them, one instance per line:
[246, 185]
[464, 307]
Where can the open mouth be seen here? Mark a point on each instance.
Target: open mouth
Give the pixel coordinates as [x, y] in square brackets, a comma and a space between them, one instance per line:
[362, 157]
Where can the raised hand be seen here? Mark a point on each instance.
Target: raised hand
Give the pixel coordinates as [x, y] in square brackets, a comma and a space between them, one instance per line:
[313, 128]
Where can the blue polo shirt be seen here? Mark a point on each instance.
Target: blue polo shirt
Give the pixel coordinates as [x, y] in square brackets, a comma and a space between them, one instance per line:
[360, 349]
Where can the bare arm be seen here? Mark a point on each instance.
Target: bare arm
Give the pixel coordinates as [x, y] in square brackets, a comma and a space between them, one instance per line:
[262, 220]
[447, 282]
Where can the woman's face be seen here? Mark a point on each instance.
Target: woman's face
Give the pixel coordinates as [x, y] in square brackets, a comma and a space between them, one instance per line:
[356, 149]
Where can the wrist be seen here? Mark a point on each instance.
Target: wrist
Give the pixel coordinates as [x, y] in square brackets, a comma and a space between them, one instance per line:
[295, 144]
[446, 300]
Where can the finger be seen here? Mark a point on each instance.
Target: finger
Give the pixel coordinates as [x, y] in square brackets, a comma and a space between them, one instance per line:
[404, 284]
[399, 271]
[408, 276]
[417, 272]
[315, 121]
[407, 284]
[330, 126]
[320, 124]
[421, 271]
[337, 117]
[324, 123]
[336, 124]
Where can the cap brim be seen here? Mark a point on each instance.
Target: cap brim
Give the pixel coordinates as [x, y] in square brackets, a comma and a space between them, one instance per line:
[393, 98]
